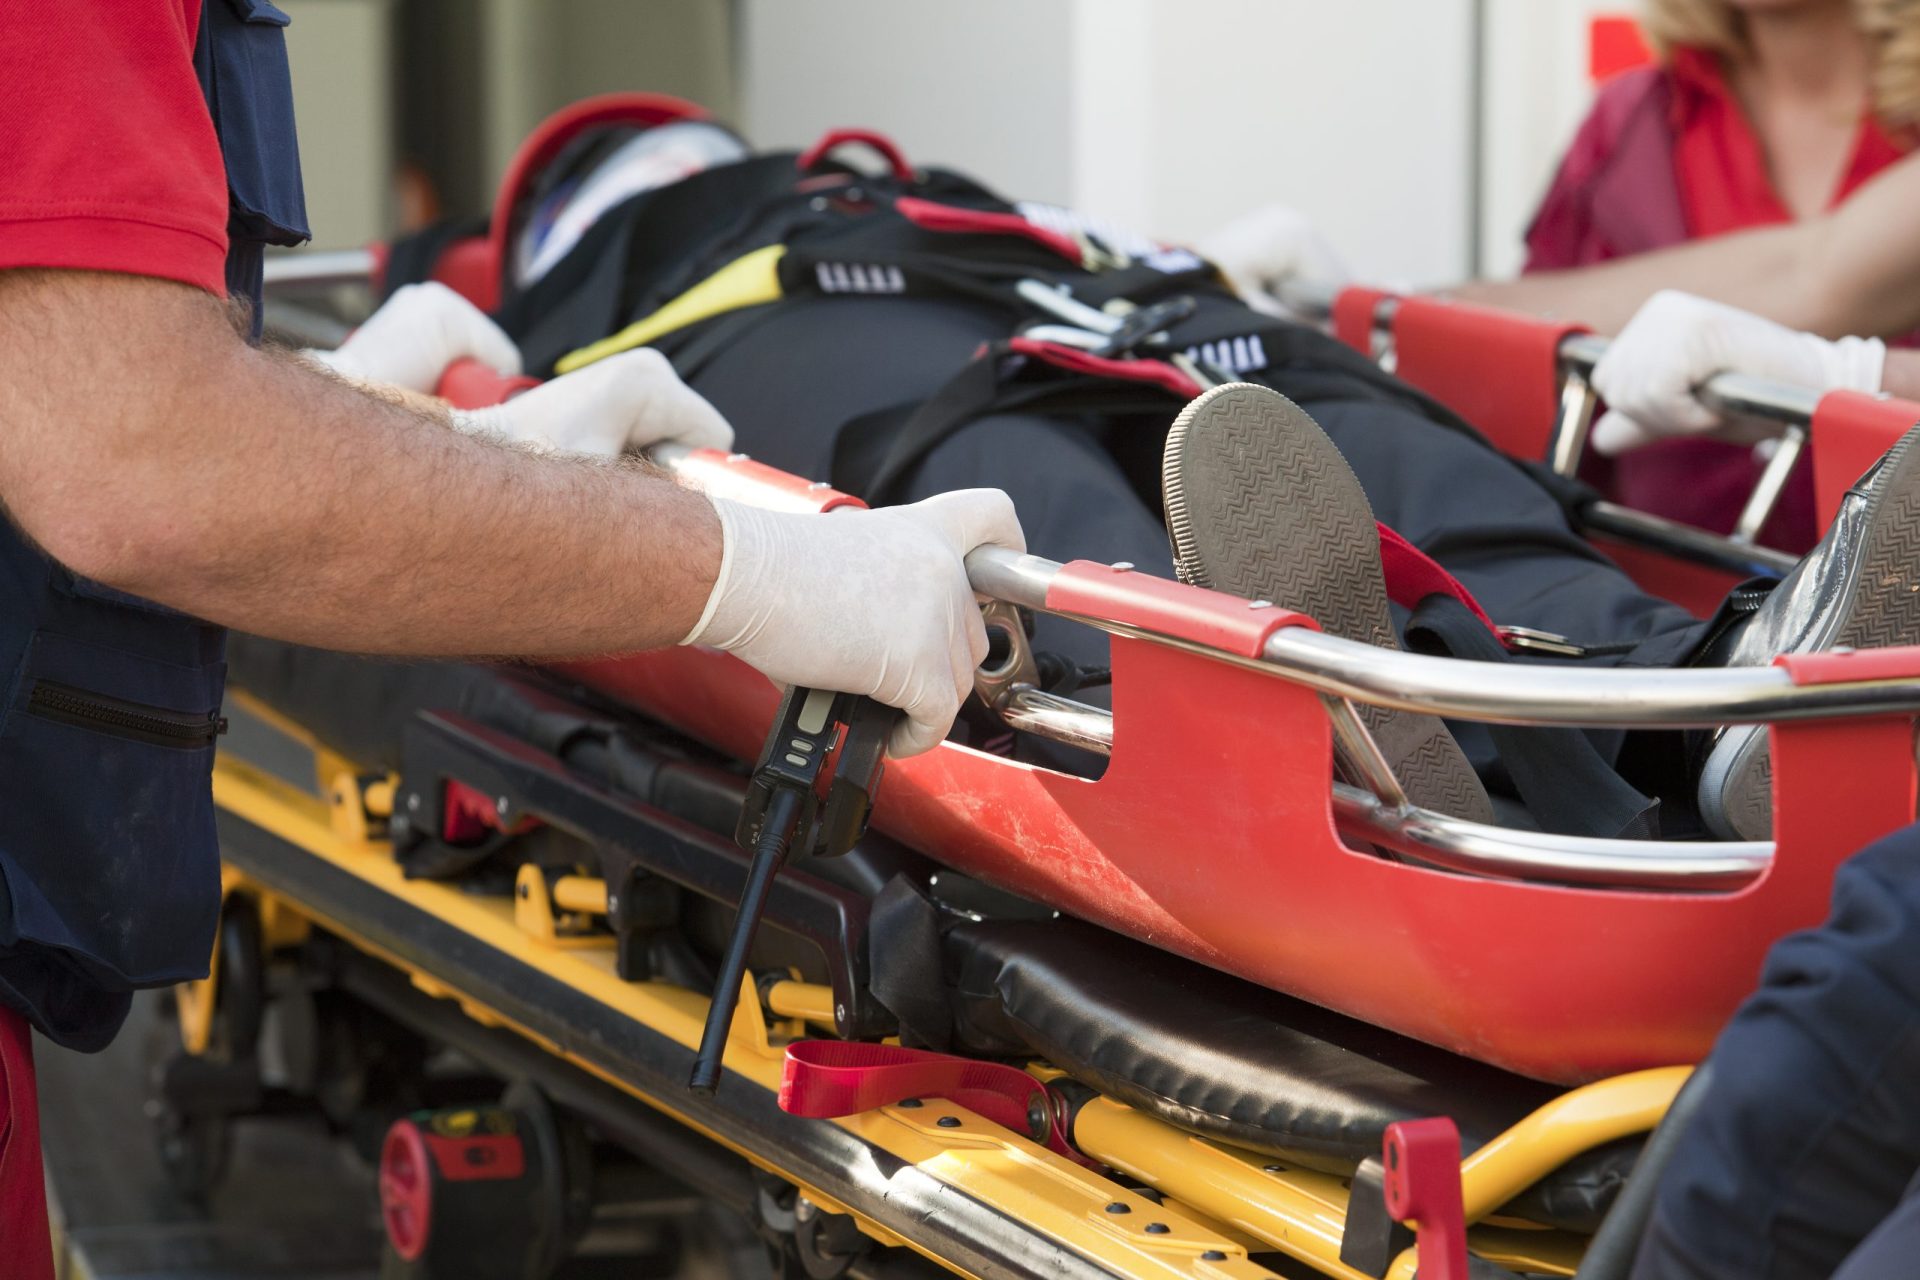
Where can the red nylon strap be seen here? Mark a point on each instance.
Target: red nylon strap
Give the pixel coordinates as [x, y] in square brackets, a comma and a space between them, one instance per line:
[929, 216]
[25, 1243]
[548, 140]
[1354, 309]
[824, 1079]
[1498, 370]
[1412, 576]
[834, 139]
[1849, 432]
[1155, 372]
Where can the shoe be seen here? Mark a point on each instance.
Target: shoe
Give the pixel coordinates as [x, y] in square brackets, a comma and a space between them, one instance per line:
[1859, 589]
[1260, 503]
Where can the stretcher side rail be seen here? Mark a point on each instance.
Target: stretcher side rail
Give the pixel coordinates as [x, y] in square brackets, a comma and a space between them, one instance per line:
[1793, 409]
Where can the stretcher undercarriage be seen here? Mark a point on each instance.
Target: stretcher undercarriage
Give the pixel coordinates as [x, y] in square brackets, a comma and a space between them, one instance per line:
[1235, 975]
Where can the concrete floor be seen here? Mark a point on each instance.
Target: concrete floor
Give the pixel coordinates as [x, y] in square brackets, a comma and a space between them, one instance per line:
[295, 1204]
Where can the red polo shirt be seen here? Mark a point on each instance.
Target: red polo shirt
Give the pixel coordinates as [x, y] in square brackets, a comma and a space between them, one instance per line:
[108, 158]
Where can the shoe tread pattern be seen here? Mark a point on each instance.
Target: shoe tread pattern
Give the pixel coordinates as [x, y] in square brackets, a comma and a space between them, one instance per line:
[1274, 513]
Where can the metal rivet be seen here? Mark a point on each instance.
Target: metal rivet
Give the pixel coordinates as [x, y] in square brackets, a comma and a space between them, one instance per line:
[413, 803]
[501, 805]
[738, 457]
[908, 1103]
[1118, 1207]
[840, 1012]
[817, 486]
[1274, 1168]
[948, 1122]
[1260, 604]
[1156, 1228]
[1121, 566]
[818, 204]
[1213, 1255]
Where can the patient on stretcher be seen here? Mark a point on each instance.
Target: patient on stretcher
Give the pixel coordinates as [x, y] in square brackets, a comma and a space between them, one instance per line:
[1262, 494]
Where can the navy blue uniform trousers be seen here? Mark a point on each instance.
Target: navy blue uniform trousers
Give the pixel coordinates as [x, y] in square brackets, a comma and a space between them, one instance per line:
[1809, 1139]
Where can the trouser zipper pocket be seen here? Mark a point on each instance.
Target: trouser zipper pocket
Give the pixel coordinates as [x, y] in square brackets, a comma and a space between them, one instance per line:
[137, 721]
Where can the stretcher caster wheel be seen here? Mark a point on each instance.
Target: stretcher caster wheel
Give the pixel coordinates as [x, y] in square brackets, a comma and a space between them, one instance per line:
[474, 1193]
[195, 1092]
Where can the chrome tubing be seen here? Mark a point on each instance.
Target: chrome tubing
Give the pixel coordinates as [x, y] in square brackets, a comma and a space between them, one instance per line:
[1454, 844]
[328, 266]
[1500, 692]
[1734, 393]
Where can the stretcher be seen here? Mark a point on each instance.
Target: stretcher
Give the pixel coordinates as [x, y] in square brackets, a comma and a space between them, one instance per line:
[1236, 988]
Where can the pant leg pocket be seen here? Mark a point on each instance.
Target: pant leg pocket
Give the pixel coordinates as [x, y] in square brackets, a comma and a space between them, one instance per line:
[107, 840]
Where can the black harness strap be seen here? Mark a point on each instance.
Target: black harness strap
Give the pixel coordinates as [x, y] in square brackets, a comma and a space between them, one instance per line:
[1564, 781]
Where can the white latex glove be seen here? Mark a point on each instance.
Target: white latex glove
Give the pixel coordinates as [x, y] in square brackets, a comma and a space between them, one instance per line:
[624, 403]
[870, 602]
[415, 335]
[1262, 250]
[1676, 341]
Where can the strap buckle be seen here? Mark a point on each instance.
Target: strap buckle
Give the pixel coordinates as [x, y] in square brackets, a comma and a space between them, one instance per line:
[1530, 640]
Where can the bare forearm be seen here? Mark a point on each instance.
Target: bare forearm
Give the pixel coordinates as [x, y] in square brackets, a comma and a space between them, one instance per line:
[251, 490]
[1757, 271]
[1853, 271]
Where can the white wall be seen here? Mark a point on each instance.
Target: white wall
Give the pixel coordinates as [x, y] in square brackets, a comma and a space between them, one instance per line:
[1536, 95]
[1168, 117]
[980, 86]
[1175, 116]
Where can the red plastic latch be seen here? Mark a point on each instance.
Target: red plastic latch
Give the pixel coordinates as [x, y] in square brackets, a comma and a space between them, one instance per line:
[1423, 1189]
[824, 1079]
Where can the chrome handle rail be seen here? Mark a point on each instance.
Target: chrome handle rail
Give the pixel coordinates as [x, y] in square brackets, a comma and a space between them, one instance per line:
[1454, 844]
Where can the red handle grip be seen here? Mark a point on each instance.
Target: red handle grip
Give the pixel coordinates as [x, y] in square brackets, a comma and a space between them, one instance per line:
[468, 384]
[835, 138]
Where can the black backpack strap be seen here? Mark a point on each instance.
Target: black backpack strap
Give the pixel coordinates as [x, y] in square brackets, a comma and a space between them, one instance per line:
[876, 453]
[1560, 776]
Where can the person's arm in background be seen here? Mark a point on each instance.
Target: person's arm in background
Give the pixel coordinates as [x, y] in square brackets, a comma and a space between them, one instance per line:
[1855, 270]
[251, 489]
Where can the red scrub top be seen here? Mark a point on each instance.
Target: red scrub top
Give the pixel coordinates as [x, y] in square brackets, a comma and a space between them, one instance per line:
[1718, 161]
[108, 158]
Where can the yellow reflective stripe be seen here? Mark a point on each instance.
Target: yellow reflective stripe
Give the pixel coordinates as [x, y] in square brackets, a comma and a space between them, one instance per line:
[745, 282]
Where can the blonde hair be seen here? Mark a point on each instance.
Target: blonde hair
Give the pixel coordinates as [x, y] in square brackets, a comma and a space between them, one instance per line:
[1891, 27]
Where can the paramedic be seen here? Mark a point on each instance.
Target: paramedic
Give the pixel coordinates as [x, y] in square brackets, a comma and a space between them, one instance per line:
[163, 477]
[1758, 113]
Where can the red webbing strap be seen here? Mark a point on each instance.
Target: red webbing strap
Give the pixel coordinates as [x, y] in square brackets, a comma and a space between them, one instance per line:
[1153, 372]
[825, 1079]
[1412, 576]
[931, 216]
[1497, 369]
[1354, 310]
[26, 1245]
[834, 139]
[1850, 431]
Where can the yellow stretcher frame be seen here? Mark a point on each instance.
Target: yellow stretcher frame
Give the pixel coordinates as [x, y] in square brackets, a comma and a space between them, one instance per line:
[1217, 1199]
